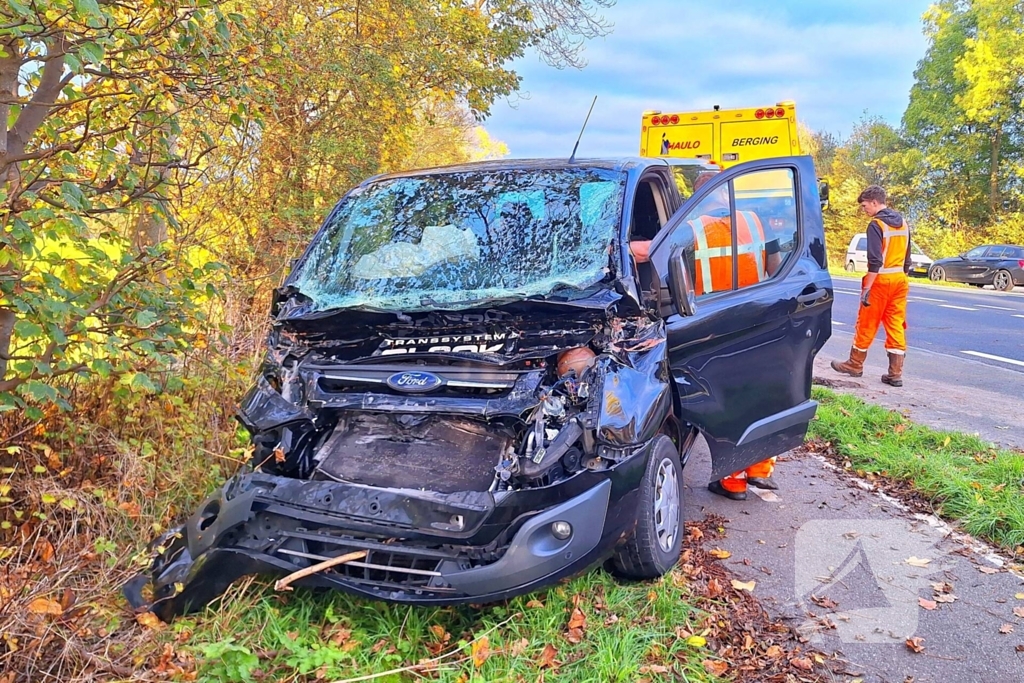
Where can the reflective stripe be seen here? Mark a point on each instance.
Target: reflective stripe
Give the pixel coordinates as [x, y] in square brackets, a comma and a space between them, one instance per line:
[758, 244]
[702, 246]
[890, 271]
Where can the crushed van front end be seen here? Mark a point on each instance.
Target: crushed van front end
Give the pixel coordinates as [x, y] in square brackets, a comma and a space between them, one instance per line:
[443, 478]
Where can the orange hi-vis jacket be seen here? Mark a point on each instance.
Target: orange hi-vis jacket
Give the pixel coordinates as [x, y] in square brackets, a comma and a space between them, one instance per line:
[894, 249]
[713, 252]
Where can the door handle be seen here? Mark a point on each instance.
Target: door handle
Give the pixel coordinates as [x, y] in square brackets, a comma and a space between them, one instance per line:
[812, 296]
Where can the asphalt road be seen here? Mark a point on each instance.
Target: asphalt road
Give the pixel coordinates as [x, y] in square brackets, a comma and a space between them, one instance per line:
[965, 362]
[984, 325]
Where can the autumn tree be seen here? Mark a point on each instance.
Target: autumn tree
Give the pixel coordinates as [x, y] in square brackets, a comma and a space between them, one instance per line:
[93, 97]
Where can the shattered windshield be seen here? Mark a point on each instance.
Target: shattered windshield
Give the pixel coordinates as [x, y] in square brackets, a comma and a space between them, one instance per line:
[459, 239]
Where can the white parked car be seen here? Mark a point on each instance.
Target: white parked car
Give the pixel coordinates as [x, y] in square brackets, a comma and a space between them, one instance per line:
[857, 257]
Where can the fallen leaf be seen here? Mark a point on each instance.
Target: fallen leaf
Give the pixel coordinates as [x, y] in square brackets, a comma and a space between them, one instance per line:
[440, 633]
[943, 587]
[1019, 596]
[945, 597]
[1019, 648]
[743, 585]
[824, 601]
[720, 554]
[150, 621]
[714, 588]
[696, 641]
[534, 604]
[517, 648]
[481, 650]
[574, 636]
[927, 604]
[802, 663]
[715, 667]
[343, 635]
[918, 561]
[1006, 628]
[988, 570]
[45, 606]
[44, 549]
[578, 619]
[547, 657]
[279, 454]
[774, 652]
[654, 669]
[915, 644]
[694, 534]
[1019, 612]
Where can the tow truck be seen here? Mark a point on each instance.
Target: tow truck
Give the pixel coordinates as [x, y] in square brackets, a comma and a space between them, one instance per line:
[725, 137]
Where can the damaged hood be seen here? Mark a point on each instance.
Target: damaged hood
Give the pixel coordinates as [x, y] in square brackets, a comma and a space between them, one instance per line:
[493, 335]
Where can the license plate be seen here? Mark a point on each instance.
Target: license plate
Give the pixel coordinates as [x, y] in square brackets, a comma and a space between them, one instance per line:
[920, 270]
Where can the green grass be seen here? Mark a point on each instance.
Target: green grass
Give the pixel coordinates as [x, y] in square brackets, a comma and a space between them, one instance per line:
[970, 482]
[254, 634]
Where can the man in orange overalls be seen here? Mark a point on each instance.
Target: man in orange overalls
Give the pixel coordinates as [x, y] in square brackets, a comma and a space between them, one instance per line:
[883, 290]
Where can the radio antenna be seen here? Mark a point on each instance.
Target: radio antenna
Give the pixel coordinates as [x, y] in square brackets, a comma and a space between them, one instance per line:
[572, 157]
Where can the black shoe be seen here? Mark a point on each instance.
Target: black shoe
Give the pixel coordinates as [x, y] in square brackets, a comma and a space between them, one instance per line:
[763, 483]
[717, 488]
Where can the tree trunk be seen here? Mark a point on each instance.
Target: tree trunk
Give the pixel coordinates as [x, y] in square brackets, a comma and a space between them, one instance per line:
[993, 177]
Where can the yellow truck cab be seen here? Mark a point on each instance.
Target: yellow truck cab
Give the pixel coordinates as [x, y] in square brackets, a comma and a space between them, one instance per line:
[725, 137]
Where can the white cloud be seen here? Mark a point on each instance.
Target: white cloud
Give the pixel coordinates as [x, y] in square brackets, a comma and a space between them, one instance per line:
[836, 60]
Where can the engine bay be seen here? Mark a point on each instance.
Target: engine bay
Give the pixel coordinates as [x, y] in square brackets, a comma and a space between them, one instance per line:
[472, 406]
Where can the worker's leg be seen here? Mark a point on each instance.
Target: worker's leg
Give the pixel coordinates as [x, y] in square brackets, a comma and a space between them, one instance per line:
[895, 321]
[868, 319]
[760, 474]
[733, 486]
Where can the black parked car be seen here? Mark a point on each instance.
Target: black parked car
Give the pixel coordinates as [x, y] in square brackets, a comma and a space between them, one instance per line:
[999, 265]
[472, 389]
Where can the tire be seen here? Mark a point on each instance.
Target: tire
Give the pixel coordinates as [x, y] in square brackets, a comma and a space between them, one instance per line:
[850, 266]
[1002, 281]
[937, 274]
[654, 546]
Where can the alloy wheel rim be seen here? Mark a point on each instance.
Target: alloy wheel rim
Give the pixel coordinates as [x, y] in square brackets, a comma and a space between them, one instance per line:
[937, 274]
[666, 504]
[1000, 282]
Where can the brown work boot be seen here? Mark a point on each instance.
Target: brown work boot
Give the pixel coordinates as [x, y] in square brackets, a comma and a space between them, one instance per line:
[894, 377]
[854, 367]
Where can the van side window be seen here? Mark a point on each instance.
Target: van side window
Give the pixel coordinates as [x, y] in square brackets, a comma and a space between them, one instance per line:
[862, 244]
[766, 234]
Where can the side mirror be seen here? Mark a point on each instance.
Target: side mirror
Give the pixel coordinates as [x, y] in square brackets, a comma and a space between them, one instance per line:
[680, 284]
[823, 190]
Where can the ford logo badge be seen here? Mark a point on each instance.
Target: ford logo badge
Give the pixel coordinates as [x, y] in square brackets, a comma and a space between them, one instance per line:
[414, 382]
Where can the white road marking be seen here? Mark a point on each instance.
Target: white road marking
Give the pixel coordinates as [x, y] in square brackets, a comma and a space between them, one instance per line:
[959, 308]
[1018, 316]
[925, 298]
[996, 308]
[836, 322]
[991, 357]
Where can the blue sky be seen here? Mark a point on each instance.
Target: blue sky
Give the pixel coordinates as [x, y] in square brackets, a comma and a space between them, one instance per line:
[835, 58]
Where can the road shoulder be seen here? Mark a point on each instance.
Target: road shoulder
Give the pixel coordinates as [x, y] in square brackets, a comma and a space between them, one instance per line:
[849, 568]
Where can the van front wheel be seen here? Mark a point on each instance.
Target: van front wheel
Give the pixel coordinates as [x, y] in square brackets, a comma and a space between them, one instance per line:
[654, 547]
[850, 266]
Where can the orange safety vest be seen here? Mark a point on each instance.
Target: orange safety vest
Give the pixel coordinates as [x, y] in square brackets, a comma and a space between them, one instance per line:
[713, 251]
[894, 247]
